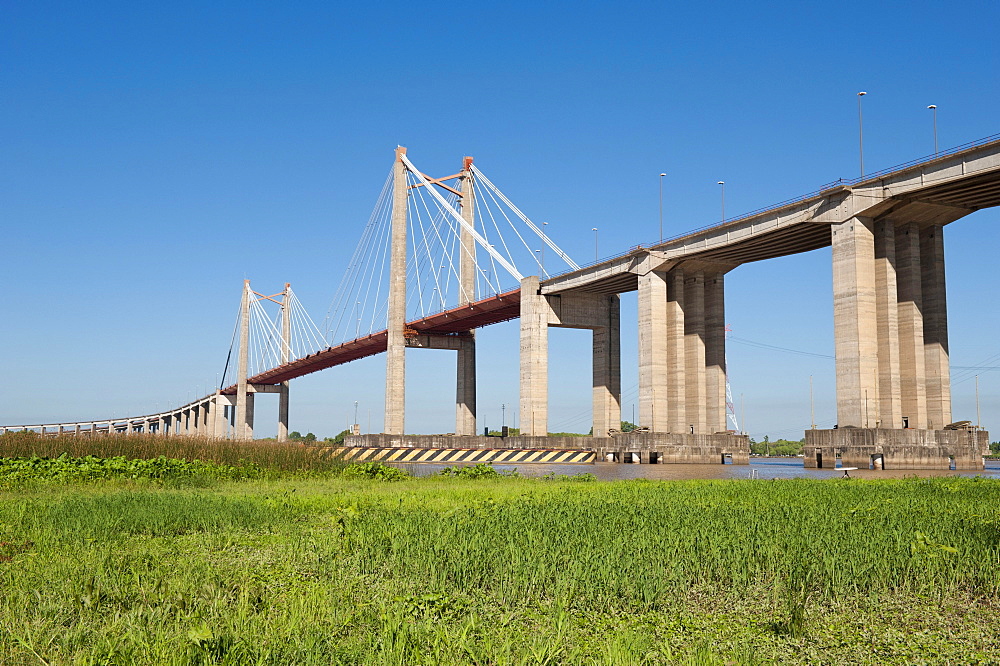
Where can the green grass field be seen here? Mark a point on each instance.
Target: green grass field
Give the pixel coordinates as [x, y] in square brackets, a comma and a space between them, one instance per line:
[207, 565]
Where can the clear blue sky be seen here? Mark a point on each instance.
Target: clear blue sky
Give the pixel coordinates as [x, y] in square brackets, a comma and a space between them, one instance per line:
[154, 156]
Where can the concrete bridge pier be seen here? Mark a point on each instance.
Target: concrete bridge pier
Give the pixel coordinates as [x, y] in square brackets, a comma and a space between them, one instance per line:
[682, 351]
[891, 341]
[598, 312]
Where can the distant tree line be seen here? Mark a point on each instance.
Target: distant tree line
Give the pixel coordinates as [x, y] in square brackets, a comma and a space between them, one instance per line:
[779, 447]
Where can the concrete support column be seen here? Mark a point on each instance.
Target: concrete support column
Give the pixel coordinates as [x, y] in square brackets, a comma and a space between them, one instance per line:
[696, 397]
[608, 369]
[465, 381]
[676, 363]
[854, 320]
[207, 418]
[286, 352]
[653, 381]
[890, 414]
[715, 352]
[938, 383]
[219, 421]
[912, 375]
[164, 428]
[242, 397]
[535, 312]
[248, 423]
[465, 387]
[395, 357]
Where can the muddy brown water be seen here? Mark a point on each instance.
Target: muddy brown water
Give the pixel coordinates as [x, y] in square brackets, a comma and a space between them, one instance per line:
[761, 468]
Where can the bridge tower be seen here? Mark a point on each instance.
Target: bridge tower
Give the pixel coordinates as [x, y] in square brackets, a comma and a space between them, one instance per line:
[395, 356]
[397, 336]
[465, 399]
[244, 398]
[285, 355]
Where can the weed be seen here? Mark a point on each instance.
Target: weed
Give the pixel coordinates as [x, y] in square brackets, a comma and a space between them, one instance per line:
[480, 471]
[376, 471]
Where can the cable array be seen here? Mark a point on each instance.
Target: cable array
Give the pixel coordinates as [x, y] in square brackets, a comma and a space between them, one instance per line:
[267, 347]
[504, 239]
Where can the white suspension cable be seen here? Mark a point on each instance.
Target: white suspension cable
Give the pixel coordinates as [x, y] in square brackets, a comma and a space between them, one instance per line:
[517, 211]
[503, 241]
[362, 246]
[458, 218]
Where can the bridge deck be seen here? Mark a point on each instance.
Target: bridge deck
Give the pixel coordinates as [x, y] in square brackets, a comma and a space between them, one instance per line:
[493, 310]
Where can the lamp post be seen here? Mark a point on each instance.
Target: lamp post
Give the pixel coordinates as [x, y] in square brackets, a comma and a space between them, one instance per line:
[723, 184]
[540, 264]
[661, 206]
[861, 134]
[595, 243]
[933, 108]
[544, 224]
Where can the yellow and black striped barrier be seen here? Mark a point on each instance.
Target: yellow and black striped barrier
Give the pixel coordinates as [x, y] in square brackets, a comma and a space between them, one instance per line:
[495, 456]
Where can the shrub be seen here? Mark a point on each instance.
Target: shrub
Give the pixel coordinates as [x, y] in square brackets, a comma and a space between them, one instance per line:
[376, 471]
[480, 471]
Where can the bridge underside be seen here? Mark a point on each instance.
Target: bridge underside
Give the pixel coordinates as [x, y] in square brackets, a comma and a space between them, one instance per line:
[493, 310]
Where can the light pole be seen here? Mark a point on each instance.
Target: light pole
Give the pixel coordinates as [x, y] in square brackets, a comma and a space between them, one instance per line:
[861, 134]
[595, 243]
[661, 206]
[933, 108]
[723, 184]
[544, 224]
[355, 416]
[540, 264]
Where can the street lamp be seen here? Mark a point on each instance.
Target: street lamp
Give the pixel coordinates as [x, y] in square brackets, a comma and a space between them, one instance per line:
[544, 237]
[595, 243]
[861, 134]
[933, 108]
[723, 184]
[661, 205]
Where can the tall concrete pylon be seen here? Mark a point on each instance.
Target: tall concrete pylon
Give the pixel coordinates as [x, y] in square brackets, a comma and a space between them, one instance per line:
[395, 357]
[465, 385]
[244, 398]
[286, 351]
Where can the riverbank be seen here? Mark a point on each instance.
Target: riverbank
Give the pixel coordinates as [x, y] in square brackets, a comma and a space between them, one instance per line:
[444, 570]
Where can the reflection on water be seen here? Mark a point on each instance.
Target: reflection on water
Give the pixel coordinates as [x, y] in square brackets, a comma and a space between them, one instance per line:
[763, 468]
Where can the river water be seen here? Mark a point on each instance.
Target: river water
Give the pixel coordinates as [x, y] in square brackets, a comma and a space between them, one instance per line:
[761, 468]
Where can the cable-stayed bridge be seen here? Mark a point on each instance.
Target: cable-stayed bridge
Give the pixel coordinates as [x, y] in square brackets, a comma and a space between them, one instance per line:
[436, 253]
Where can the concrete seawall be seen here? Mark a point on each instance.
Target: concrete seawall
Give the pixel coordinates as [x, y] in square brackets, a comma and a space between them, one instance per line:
[896, 449]
[625, 447]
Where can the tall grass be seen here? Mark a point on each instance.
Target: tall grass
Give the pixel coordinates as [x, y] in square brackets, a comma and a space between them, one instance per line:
[502, 571]
[640, 545]
[266, 454]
